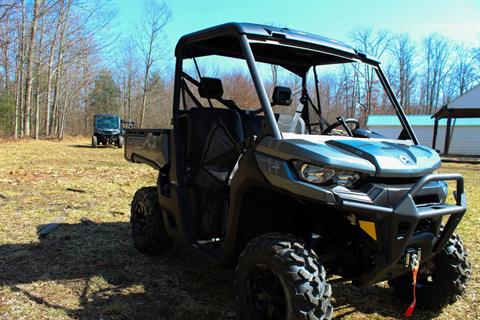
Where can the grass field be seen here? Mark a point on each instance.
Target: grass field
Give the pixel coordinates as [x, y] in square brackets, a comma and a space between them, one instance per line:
[90, 270]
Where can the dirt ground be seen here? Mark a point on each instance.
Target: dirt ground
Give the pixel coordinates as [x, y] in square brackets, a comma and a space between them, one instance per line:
[91, 270]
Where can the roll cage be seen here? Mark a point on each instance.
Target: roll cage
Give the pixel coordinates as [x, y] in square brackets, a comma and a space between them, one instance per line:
[294, 50]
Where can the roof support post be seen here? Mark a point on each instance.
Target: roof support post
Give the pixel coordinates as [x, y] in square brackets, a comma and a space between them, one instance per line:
[447, 134]
[435, 132]
[398, 108]
[262, 93]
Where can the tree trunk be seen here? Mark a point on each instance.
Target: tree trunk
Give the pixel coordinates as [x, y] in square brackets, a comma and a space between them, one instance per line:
[50, 72]
[29, 80]
[61, 129]
[59, 70]
[18, 84]
[37, 112]
[129, 98]
[144, 95]
[37, 82]
[22, 87]
[49, 84]
[85, 101]
[6, 39]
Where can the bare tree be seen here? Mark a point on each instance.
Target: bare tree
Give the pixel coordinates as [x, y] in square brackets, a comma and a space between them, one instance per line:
[59, 71]
[42, 43]
[463, 69]
[5, 30]
[436, 55]
[274, 70]
[374, 43]
[19, 76]
[348, 82]
[37, 78]
[476, 63]
[128, 74]
[30, 63]
[50, 68]
[403, 52]
[150, 43]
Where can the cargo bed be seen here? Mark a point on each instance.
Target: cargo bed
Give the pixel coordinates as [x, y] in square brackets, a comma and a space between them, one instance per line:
[149, 146]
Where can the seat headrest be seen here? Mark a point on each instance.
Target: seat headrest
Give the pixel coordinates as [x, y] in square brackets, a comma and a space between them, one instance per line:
[210, 88]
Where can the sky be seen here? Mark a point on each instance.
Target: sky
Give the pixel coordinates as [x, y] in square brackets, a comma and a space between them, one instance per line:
[456, 19]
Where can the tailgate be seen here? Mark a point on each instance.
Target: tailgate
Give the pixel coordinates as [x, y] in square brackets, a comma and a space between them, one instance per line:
[149, 146]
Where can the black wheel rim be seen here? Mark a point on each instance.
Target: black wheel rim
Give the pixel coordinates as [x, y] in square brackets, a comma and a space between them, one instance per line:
[265, 295]
[139, 220]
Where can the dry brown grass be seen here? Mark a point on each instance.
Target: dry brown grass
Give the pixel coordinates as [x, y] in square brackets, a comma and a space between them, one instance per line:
[92, 271]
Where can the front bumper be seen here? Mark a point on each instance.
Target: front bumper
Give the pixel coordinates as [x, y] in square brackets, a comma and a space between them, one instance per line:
[107, 136]
[408, 225]
[400, 223]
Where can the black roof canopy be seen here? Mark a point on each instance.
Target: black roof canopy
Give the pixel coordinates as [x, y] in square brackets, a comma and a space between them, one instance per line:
[295, 50]
[106, 115]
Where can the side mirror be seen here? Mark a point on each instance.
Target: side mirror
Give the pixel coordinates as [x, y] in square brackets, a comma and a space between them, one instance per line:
[210, 88]
[128, 124]
[282, 96]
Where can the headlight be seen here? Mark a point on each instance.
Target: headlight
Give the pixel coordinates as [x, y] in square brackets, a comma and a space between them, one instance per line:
[321, 175]
[347, 178]
[314, 174]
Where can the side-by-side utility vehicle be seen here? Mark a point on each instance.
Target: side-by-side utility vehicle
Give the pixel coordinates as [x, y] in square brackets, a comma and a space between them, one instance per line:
[107, 130]
[296, 201]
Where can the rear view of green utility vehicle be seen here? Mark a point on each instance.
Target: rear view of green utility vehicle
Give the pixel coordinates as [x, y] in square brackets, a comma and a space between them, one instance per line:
[292, 190]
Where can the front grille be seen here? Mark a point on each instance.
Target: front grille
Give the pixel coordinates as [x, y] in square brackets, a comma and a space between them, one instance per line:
[426, 199]
[402, 229]
[394, 180]
[424, 225]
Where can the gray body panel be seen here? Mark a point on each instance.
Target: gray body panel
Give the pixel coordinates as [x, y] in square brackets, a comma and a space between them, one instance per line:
[392, 159]
[376, 157]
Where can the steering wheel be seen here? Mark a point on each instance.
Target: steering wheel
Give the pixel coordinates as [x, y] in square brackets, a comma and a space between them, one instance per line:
[256, 111]
[342, 122]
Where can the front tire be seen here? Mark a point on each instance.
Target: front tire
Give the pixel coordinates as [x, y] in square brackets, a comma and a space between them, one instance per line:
[278, 278]
[441, 280]
[121, 142]
[94, 141]
[146, 218]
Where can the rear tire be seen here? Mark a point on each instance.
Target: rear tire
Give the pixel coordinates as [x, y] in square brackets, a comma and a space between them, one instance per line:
[121, 142]
[146, 218]
[444, 278]
[94, 141]
[278, 278]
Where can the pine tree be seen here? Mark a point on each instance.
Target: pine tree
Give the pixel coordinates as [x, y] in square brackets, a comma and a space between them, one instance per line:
[105, 97]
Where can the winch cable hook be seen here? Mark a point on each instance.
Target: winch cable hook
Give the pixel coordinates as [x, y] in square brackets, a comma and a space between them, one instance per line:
[415, 266]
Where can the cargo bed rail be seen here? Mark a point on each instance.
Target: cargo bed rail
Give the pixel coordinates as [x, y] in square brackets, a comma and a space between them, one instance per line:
[149, 146]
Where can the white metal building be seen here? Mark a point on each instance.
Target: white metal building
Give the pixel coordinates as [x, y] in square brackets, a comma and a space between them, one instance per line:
[465, 132]
[464, 106]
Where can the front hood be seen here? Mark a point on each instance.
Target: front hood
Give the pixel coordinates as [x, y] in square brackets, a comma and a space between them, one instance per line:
[376, 157]
[108, 131]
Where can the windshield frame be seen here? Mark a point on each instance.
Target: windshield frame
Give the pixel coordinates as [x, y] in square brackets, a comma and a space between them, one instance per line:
[108, 116]
[363, 58]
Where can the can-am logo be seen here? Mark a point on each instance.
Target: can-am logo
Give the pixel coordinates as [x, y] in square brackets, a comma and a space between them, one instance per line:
[404, 159]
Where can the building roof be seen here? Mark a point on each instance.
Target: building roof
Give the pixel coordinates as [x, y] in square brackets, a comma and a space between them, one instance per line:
[468, 100]
[466, 105]
[417, 120]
